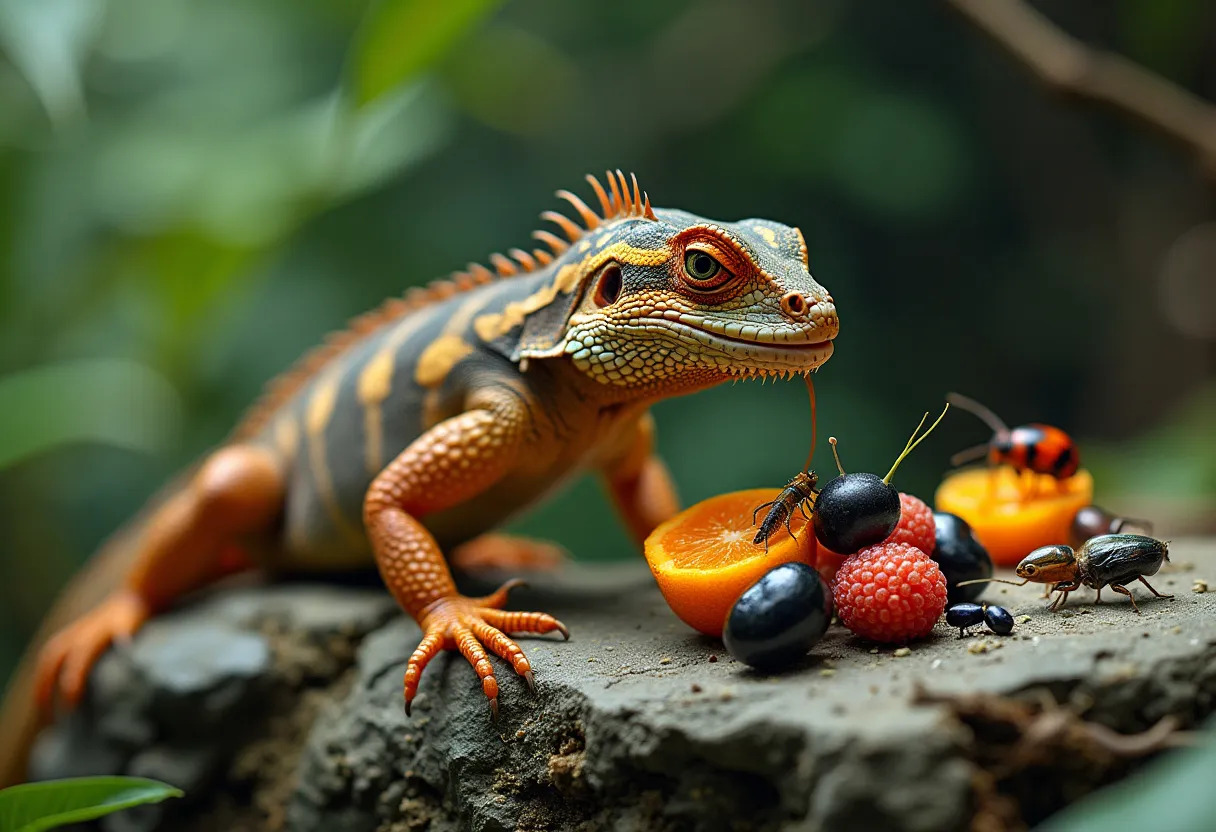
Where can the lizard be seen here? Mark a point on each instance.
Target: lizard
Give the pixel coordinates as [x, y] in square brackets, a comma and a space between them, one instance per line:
[434, 418]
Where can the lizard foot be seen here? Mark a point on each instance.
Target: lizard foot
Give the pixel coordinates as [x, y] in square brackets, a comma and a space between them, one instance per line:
[66, 659]
[504, 551]
[470, 625]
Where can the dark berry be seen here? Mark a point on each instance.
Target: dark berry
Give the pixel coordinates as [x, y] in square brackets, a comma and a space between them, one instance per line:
[1088, 522]
[855, 511]
[961, 557]
[998, 620]
[778, 618]
[964, 616]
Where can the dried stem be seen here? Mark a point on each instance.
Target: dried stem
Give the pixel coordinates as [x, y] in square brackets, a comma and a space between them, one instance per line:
[1069, 67]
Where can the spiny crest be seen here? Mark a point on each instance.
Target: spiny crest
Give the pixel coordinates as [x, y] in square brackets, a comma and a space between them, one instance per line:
[622, 200]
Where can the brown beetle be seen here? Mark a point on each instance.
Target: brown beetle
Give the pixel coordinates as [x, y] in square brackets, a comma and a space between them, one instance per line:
[1113, 560]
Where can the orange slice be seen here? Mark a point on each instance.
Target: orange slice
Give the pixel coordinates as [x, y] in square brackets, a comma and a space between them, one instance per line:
[703, 558]
[1014, 514]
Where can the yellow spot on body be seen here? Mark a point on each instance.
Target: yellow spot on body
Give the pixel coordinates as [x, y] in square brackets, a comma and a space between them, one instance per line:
[768, 234]
[440, 356]
[287, 436]
[320, 410]
[454, 327]
[373, 387]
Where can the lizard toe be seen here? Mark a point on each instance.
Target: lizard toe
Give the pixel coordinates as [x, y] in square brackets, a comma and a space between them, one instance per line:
[67, 659]
[473, 629]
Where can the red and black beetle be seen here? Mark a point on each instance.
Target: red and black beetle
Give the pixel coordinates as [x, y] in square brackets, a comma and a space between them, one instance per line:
[1035, 447]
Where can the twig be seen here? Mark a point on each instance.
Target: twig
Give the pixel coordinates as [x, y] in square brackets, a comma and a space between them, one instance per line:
[1069, 67]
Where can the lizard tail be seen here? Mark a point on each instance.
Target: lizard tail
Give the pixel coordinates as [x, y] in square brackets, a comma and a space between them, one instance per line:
[20, 721]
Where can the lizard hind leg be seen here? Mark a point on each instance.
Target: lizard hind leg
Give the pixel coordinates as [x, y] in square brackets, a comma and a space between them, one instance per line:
[186, 543]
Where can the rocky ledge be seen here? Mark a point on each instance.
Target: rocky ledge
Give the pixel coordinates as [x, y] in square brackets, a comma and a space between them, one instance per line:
[279, 707]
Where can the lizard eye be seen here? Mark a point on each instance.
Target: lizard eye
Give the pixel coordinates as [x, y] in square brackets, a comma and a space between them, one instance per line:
[700, 266]
[703, 272]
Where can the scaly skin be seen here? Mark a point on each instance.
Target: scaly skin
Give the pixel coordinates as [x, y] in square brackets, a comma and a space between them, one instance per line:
[438, 416]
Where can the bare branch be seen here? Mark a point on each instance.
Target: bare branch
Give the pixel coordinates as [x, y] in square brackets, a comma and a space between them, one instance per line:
[1069, 67]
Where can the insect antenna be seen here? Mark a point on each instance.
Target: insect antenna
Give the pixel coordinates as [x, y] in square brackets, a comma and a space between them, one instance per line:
[965, 456]
[975, 408]
[993, 580]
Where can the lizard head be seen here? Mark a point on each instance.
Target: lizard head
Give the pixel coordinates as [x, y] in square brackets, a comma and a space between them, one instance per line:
[662, 299]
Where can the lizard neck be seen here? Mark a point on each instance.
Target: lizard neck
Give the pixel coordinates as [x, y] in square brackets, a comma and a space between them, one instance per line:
[566, 376]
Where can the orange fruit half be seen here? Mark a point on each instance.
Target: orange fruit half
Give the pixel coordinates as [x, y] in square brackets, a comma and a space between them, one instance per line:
[703, 558]
[1013, 514]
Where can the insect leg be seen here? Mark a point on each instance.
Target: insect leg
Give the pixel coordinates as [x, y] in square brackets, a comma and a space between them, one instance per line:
[787, 525]
[802, 508]
[1125, 591]
[1152, 589]
[1029, 485]
[760, 508]
[1098, 597]
[1064, 588]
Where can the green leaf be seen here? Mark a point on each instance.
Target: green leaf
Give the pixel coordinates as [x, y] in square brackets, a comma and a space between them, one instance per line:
[402, 38]
[104, 400]
[33, 807]
[1173, 794]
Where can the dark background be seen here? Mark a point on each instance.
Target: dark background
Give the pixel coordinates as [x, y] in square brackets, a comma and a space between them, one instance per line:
[191, 195]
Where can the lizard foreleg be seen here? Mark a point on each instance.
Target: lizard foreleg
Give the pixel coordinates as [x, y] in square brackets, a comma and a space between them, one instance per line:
[640, 485]
[449, 464]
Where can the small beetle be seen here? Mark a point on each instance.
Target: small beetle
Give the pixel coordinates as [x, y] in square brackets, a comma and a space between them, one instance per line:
[1092, 521]
[796, 494]
[964, 615]
[1039, 448]
[1107, 560]
[998, 620]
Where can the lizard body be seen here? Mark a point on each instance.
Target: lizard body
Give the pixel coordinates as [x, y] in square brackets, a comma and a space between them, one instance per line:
[435, 418]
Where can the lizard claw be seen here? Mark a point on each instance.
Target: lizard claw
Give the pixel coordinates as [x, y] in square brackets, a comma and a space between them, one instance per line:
[471, 625]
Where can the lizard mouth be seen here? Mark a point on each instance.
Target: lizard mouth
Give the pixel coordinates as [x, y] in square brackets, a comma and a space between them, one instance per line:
[749, 356]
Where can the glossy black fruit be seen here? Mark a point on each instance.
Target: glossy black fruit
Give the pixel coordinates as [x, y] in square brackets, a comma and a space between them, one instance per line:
[964, 616]
[960, 556]
[854, 511]
[778, 618]
[998, 620]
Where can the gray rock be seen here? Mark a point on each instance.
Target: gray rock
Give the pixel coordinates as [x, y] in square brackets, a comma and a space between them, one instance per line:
[200, 683]
[636, 726]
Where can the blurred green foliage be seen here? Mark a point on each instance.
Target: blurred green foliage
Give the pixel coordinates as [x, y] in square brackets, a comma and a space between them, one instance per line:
[193, 191]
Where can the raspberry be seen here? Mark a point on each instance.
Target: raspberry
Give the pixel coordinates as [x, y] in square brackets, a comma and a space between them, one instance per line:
[890, 592]
[915, 524]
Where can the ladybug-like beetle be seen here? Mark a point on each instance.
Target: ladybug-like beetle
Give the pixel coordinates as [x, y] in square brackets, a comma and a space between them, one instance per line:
[1035, 447]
